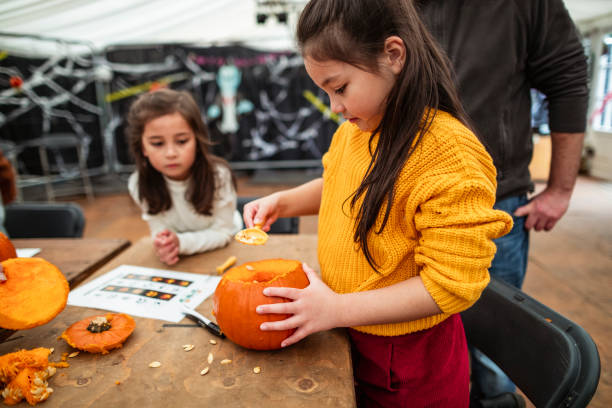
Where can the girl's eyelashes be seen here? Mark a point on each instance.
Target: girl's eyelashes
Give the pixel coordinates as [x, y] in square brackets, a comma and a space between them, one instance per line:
[340, 90]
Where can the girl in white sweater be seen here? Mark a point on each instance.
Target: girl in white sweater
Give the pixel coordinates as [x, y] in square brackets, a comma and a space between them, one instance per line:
[187, 194]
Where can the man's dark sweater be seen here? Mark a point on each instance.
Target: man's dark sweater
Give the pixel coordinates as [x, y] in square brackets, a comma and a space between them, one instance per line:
[500, 49]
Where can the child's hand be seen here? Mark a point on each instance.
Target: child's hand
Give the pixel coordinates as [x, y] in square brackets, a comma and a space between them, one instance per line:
[166, 245]
[262, 211]
[313, 308]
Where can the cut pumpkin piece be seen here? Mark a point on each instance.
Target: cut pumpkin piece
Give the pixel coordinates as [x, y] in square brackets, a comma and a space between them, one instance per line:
[25, 373]
[35, 291]
[100, 333]
[7, 250]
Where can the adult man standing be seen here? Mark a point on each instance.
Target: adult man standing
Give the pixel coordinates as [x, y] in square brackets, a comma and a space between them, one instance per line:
[500, 49]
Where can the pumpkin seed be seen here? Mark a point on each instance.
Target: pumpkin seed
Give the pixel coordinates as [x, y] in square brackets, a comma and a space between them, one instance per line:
[155, 364]
[257, 370]
[204, 371]
[249, 267]
[211, 341]
[73, 354]
[188, 347]
[226, 361]
[210, 358]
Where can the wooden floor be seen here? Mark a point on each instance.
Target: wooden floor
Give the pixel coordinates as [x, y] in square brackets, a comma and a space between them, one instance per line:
[569, 270]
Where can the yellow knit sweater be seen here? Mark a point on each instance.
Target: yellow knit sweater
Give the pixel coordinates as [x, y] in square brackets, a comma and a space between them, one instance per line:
[440, 227]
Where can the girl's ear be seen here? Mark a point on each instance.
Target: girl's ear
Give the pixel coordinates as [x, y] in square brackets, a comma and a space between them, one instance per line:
[395, 53]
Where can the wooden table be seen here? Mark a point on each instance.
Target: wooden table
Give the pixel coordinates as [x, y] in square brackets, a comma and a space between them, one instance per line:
[314, 372]
[77, 258]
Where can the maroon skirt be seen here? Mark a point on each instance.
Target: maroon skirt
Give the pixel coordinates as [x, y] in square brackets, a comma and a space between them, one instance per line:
[429, 368]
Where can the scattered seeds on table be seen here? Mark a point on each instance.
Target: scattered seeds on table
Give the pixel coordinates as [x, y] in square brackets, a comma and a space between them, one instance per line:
[226, 361]
[210, 358]
[188, 347]
[155, 364]
[211, 341]
[73, 354]
[204, 371]
[257, 370]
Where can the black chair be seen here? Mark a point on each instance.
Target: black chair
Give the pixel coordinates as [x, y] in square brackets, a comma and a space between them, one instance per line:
[551, 359]
[290, 225]
[44, 220]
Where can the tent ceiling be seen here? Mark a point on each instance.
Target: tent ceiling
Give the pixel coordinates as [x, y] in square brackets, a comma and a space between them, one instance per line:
[104, 22]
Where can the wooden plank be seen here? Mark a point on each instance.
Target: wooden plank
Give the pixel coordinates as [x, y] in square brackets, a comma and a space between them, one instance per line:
[314, 372]
[77, 258]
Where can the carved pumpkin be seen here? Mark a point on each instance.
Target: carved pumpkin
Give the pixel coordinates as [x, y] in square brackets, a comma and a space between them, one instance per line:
[34, 292]
[25, 373]
[7, 250]
[239, 293]
[101, 333]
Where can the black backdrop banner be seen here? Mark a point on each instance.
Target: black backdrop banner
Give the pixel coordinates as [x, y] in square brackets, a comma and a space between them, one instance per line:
[261, 107]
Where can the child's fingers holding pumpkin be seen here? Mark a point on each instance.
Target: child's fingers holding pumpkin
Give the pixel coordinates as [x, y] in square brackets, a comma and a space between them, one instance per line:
[286, 324]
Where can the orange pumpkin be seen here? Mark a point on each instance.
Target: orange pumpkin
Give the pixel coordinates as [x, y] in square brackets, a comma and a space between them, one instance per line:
[7, 250]
[100, 333]
[239, 293]
[25, 373]
[34, 292]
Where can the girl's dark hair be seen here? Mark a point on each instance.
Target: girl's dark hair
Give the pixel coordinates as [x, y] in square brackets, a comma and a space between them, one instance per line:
[152, 187]
[354, 32]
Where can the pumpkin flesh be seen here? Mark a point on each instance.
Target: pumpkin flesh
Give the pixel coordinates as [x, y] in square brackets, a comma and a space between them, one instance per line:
[7, 250]
[239, 293]
[35, 291]
[24, 374]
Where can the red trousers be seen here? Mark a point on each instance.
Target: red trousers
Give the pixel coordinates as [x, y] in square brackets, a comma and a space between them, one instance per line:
[429, 368]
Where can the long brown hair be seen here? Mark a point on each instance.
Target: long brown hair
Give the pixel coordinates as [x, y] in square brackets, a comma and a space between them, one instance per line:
[152, 187]
[354, 32]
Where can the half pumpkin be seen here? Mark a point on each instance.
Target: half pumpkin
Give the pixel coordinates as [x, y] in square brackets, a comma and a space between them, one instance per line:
[35, 291]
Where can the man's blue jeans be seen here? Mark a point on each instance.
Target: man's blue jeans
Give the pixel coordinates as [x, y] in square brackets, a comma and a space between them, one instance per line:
[509, 265]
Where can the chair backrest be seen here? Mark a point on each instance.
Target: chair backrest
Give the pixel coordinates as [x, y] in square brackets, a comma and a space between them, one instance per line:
[44, 220]
[551, 359]
[290, 225]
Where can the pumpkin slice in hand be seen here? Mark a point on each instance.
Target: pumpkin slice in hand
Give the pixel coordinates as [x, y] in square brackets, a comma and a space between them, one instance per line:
[34, 292]
[252, 236]
[101, 333]
[239, 293]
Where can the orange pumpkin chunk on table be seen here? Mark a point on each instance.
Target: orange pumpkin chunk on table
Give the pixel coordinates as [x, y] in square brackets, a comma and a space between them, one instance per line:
[101, 333]
[24, 374]
[239, 293]
[34, 292]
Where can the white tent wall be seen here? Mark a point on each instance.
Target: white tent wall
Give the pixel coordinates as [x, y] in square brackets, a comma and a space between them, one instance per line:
[110, 22]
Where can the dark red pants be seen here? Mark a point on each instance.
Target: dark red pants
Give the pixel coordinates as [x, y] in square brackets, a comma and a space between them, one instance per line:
[429, 368]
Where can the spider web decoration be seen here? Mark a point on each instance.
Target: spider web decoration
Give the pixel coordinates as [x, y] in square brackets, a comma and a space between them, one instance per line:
[55, 95]
[281, 125]
[279, 113]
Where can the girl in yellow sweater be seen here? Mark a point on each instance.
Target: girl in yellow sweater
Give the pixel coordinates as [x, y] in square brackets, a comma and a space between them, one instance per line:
[405, 206]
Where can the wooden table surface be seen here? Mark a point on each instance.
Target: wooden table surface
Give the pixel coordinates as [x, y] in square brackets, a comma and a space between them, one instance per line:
[77, 258]
[314, 372]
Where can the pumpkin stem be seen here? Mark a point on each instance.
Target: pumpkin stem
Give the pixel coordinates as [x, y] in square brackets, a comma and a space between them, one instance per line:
[98, 325]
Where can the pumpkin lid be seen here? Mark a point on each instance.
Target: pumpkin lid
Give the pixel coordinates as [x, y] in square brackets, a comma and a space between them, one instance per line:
[35, 291]
[100, 333]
